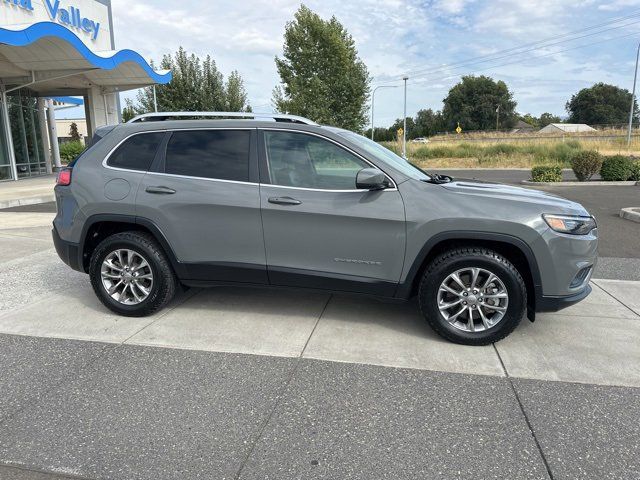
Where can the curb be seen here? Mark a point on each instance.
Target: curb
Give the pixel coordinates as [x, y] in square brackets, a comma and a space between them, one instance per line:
[581, 184]
[631, 213]
[21, 202]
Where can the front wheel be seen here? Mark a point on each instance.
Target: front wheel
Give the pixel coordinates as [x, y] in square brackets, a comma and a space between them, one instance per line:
[472, 296]
[131, 275]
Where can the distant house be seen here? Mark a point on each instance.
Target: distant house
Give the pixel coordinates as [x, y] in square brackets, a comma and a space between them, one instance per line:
[523, 127]
[567, 128]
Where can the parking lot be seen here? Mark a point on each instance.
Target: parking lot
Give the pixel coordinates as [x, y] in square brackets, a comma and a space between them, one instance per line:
[248, 383]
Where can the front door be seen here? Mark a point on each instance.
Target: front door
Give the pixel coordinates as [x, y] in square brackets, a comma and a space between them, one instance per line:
[205, 200]
[320, 231]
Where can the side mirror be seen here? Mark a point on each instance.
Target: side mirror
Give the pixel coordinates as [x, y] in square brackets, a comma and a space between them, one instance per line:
[371, 179]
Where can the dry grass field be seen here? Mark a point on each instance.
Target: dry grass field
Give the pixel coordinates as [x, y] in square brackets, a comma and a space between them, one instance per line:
[503, 150]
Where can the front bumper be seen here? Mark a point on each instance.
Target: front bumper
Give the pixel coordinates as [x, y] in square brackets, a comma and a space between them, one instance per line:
[554, 304]
[67, 251]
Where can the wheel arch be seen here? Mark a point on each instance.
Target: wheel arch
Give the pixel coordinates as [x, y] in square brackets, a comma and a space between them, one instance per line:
[98, 227]
[513, 248]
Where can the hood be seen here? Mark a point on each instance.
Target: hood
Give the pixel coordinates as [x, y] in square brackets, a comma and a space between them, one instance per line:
[550, 203]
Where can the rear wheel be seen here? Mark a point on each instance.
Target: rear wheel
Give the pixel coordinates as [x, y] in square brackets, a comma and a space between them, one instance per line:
[131, 275]
[472, 296]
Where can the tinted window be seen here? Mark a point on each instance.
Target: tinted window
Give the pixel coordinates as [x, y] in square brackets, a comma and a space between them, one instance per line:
[384, 154]
[307, 161]
[220, 154]
[137, 152]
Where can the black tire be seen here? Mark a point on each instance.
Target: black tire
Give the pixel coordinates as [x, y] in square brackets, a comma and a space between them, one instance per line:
[452, 261]
[164, 281]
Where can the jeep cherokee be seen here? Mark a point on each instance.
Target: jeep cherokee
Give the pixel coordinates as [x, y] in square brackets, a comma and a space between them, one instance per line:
[244, 199]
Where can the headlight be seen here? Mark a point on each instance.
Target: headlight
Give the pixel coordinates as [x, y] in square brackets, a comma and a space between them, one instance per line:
[571, 224]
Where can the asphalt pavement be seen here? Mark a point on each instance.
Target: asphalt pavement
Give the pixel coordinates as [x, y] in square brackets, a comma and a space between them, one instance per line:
[87, 410]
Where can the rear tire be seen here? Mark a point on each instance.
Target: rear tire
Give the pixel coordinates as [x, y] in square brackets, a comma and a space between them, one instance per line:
[448, 295]
[136, 270]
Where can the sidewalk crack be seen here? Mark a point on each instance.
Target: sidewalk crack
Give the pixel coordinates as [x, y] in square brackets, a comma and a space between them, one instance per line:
[524, 414]
[616, 299]
[280, 394]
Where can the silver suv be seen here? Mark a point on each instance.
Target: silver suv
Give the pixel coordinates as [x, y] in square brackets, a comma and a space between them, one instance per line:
[186, 199]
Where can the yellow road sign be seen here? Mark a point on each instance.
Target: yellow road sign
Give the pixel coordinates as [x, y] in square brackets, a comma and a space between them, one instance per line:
[459, 129]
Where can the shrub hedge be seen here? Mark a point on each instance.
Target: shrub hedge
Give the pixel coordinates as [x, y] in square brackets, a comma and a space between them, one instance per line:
[546, 173]
[586, 164]
[70, 150]
[635, 171]
[616, 168]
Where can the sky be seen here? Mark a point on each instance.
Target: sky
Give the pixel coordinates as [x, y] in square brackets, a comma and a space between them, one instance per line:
[425, 40]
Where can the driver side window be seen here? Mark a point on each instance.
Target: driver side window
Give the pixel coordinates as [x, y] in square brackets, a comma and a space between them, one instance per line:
[306, 161]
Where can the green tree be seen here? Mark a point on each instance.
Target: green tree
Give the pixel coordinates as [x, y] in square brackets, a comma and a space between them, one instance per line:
[428, 123]
[236, 96]
[473, 103]
[73, 132]
[197, 85]
[382, 134]
[548, 118]
[129, 110]
[530, 119]
[321, 75]
[398, 124]
[600, 104]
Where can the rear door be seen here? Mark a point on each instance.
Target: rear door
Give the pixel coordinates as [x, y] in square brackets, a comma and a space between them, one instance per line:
[203, 194]
[321, 231]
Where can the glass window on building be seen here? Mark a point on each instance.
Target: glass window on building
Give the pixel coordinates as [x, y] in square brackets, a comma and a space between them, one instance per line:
[26, 134]
[5, 164]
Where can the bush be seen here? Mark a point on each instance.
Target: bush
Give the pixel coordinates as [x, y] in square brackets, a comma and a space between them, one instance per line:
[70, 150]
[546, 173]
[586, 164]
[617, 168]
[635, 171]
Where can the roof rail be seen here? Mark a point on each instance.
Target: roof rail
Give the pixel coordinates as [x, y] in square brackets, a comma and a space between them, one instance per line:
[267, 117]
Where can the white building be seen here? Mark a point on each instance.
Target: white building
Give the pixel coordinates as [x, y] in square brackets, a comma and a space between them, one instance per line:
[567, 128]
[63, 125]
[58, 48]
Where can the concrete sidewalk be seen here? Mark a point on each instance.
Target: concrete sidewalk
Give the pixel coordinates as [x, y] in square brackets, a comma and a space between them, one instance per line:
[30, 191]
[249, 383]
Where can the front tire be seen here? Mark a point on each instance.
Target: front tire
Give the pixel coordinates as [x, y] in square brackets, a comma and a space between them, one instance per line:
[472, 296]
[131, 275]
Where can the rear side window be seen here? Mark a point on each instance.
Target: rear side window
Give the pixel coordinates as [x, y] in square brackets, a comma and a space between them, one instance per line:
[218, 154]
[137, 152]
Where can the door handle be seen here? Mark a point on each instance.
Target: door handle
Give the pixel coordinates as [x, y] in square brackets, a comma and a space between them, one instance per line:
[160, 190]
[284, 201]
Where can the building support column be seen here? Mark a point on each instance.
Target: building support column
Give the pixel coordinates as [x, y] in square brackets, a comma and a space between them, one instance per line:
[7, 132]
[53, 135]
[88, 115]
[44, 134]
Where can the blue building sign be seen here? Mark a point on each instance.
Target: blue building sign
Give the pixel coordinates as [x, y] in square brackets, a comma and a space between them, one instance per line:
[69, 16]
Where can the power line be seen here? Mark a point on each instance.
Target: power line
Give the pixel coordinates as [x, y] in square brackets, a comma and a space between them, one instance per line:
[544, 41]
[453, 75]
[524, 48]
[532, 49]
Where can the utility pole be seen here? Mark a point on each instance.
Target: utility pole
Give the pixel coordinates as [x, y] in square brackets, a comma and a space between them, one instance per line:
[633, 98]
[498, 118]
[373, 95]
[404, 130]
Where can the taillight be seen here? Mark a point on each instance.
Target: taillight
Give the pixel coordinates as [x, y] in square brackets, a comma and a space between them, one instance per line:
[64, 177]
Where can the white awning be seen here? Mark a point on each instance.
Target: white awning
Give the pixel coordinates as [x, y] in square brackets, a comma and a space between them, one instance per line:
[53, 61]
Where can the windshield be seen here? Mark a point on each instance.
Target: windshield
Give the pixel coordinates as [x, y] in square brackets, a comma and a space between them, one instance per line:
[384, 154]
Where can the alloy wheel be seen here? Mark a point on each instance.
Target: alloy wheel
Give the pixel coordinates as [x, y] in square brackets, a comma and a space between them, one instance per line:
[473, 299]
[126, 276]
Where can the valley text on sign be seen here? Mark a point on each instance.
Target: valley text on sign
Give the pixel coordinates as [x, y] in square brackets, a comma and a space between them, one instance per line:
[70, 17]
